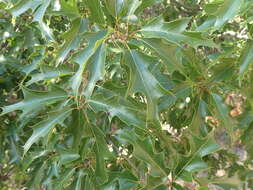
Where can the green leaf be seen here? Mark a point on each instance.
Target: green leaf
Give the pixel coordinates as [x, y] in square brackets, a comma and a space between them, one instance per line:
[167, 52]
[147, 3]
[144, 150]
[82, 57]
[96, 69]
[35, 100]
[223, 12]
[142, 80]
[38, 16]
[222, 112]
[102, 153]
[38, 177]
[80, 177]
[193, 162]
[96, 11]
[68, 157]
[198, 124]
[23, 5]
[37, 58]
[125, 179]
[77, 128]
[48, 72]
[118, 106]
[175, 32]
[72, 39]
[33, 156]
[114, 7]
[246, 58]
[203, 188]
[65, 177]
[129, 7]
[88, 183]
[45, 126]
[69, 8]
[223, 71]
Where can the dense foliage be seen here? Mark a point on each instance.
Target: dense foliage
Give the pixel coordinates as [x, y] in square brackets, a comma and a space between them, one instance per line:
[126, 94]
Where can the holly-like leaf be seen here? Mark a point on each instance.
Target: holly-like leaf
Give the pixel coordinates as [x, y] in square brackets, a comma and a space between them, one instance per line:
[68, 157]
[72, 39]
[144, 150]
[65, 177]
[48, 72]
[45, 126]
[222, 72]
[82, 57]
[102, 153]
[23, 5]
[223, 115]
[78, 185]
[39, 15]
[125, 179]
[96, 69]
[198, 125]
[246, 58]
[193, 162]
[147, 3]
[118, 106]
[142, 80]
[168, 52]
[114, 7]
[68, 8]
[77, 128]
[221, 12]
[97, 14]
[175, 32]
[35, 100]
[129, 7]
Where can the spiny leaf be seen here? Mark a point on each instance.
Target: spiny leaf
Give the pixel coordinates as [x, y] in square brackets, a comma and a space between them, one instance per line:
[193, 162]
[198, 124]
[169, 53]
[59, 183]
[69, 8]
[72, 38]
[80, 177]
[118, 106]
[96, 69]
[82, 57]
[36, 181]
[223, 71]
[175, 32]
[223, 12]
[246, 58]
[102, 152]
[45, 126]
[77, 128]
[35, 100]
[38, 16]
[147, 3]
[114, 7]
[129, 7]
[125, 178]
[48, 72]
[97, 14]
[223, 114]
[23, 5]
[68, 157]
[144, 150]
[37, 58]
[142, 80]
[33, 156]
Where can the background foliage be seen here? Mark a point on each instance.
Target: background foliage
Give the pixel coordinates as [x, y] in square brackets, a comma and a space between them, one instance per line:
[126, 94]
